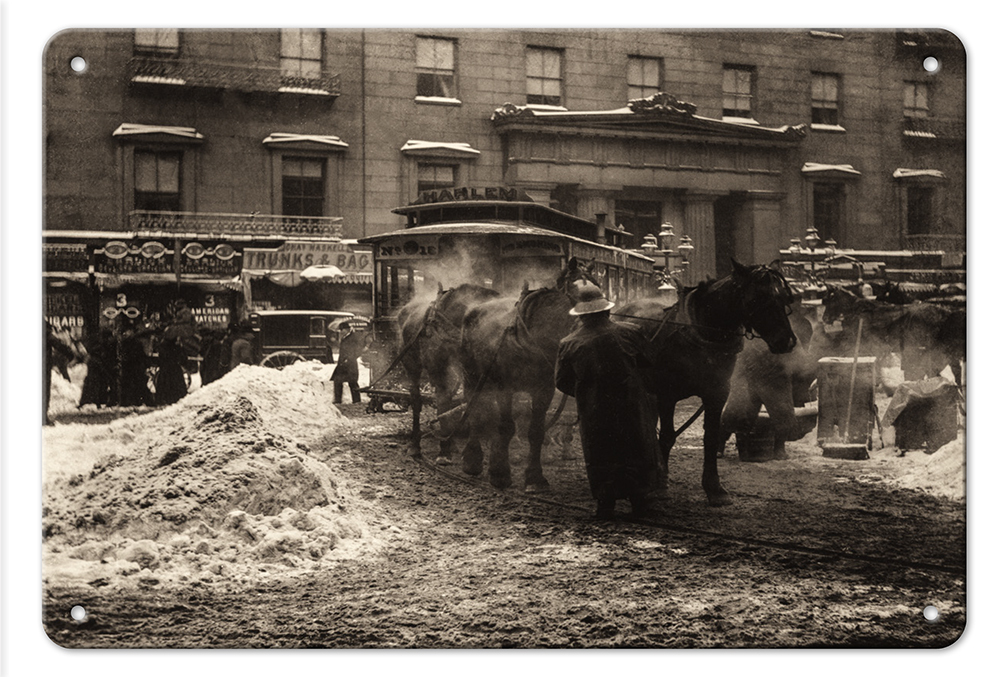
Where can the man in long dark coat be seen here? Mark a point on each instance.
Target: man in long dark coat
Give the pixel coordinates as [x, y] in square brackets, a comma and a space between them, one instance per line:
[352, 345]
[603, 365]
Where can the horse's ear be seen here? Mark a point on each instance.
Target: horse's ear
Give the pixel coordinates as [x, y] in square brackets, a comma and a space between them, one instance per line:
[525, 287]
[440, 289]
[572, 265]
[739, 268]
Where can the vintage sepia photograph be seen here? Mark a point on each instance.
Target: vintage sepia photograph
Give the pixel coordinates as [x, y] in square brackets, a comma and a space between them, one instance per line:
[482, 338]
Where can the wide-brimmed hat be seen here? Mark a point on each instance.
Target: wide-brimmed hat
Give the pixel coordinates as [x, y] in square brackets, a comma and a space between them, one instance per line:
[590, 300]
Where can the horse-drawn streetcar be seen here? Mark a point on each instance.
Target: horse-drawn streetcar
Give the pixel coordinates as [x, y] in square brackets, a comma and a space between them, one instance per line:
[497, 239]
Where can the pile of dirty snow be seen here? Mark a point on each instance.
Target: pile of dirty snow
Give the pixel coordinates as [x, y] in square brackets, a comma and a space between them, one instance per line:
[942, 473]
[219, 486]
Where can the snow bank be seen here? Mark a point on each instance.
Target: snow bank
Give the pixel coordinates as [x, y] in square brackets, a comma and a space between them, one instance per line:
[218, 485]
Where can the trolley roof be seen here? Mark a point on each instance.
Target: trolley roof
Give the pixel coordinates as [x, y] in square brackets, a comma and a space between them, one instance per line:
[484, 228]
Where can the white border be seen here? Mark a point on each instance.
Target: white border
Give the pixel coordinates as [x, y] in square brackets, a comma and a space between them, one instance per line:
[25, 27]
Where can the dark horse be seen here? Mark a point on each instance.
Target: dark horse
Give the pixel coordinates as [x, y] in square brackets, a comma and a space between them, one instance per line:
[695, 344]
[431, 334]
[927, 336]
[510, 347]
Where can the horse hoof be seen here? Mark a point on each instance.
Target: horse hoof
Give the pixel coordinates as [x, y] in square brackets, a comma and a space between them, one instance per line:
[500, 481]
[720, 499]
[472, 470]
[542, 487]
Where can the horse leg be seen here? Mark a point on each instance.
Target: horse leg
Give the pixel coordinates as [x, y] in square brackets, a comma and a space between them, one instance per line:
[535, 482]
[478, 414]
[417, 404]
[500, 461]
[443, 394]
[666, 436]
[716, 495]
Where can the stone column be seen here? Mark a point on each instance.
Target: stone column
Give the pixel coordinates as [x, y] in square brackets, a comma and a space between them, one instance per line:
[760, 235]
[698, 223]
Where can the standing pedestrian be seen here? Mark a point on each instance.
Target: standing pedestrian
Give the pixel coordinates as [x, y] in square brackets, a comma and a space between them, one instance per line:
[53, 347]
[603, 365]
[100, 378]
[352, 344]
[242, 345]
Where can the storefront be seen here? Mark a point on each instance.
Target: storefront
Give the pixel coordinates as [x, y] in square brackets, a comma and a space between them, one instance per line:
[141, 278]
[308, 275]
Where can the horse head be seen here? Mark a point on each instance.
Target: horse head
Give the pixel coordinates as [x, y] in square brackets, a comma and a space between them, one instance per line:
[576, 272]
[837, 302]
[766, 299]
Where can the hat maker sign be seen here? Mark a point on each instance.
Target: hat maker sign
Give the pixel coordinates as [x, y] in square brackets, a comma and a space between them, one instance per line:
[299, 256]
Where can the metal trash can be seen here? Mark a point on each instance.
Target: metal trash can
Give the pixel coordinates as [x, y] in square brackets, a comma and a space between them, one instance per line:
[846, 411]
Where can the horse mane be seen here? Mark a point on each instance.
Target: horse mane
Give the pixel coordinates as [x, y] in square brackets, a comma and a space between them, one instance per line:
[531, 300]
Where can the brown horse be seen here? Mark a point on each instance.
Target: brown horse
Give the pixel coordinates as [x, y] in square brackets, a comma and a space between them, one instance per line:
[431, 333]
[510, 347]
[695, 344]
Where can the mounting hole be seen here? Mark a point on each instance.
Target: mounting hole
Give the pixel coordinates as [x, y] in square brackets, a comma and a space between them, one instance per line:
[931, 614]
[931, 64]
[78, 64]
[78, 613]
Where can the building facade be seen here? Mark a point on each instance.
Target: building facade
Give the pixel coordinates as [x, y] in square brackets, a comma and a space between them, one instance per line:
[231, 145]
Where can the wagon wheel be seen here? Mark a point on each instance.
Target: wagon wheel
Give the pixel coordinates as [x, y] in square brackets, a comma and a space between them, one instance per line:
[280, 359]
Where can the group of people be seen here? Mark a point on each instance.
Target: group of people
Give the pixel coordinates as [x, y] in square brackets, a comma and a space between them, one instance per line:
[604, 365]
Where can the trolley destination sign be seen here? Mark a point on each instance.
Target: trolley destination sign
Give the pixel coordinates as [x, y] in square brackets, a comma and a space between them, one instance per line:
[499, 193]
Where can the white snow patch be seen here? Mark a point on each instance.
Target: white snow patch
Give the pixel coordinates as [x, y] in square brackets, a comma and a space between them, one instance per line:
[219, 486]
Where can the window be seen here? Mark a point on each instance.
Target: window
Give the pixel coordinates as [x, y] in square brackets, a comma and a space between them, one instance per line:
[919, 209]
[643, 77]
[156, 181]
[301, 52]
[827, 209]
[435, 68]
[303, 186]
[638, 217]
[156, 41]
[435, 177]
[737, 91]
[543, 80]
[825, 99]
[915, 100]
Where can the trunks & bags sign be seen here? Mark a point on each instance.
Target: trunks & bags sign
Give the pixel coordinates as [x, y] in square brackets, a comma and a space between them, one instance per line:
[301, 255]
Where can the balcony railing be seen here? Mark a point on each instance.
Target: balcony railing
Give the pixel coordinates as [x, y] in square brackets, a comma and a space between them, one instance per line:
[183, 72]
[259, 225]
[932, 242]
[934, 128]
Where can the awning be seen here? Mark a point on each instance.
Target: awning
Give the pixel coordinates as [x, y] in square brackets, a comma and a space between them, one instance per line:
[129, 129]
[904, 173]
[443, 148]
[322, 273]
[820, 168]
[285, 139]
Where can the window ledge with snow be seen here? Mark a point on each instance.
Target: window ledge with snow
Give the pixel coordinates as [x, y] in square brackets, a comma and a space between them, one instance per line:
[739, 121]
[546, 107]
[834, 129]
[438, 100]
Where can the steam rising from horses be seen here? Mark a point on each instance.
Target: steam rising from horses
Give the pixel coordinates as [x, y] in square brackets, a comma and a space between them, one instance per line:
[472, 263]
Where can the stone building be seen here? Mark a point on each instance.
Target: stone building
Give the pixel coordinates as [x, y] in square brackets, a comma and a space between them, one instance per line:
[293, 140]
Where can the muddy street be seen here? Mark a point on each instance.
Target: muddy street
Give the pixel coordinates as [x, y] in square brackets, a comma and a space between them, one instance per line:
[813, 552]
